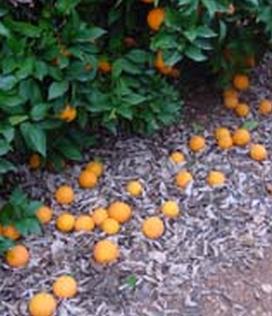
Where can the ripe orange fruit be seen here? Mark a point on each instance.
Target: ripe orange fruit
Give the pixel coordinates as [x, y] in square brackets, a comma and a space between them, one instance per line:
[177, 157]
[84, 223]
[258, 152]
[231, 102]
[17, 256]
[183, 178]
[134, 188]
[242, 110]
[34, 161]
[215, 178]
[44, 214]
[155, 18]
[87, 179]
[65, 286]
[153, 227]
[68, 114]
[99, 215]
[230, 92]
[64, 194]
[225, 142]
[104, 66]
[241, 82]
[265, 107]
[160, 64]
[147, 1]
[95, 167]
[221, 132]
[110, 226]
[65, 222]
[42, 304]
[241, 137]
[197, 143]
[120, 211]
[105, 251]
[10, 232]
[170, 209]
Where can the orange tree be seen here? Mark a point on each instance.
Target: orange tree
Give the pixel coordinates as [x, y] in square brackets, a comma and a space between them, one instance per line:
[68, 67]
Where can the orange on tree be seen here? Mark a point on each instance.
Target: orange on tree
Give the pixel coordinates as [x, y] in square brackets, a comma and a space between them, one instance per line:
[65, 286]
[104, 66]
[105, 251]
[153, 227]
[241, 137]
[147, 1]
[170, 209]
[221, 132]
[225, 142]
[231, 102]
[197, 143]
[265, 107]
[258, 152]
[155, 18]
[68, 114]
[177, 157]
[34, 161]
[242, 110]
[174, 73]
[215, 178]
[17, 256]
[87, 179]
[230, 92]
[99, 215]
[183, 178]
[160, 64]
[42, 304]
[95, 167]
[44, 214]
[120, 211]
[241, 82]
[65, 222]
[64, 194]
[84, 223]
[134, 188]
[110, 226]
[10, 232]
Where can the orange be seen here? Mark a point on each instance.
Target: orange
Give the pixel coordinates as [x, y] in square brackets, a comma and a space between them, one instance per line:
[17, 256]
[215, 178]
[222, 132]
[104, 66]
[174, 73]
[65, 287]
[87, 179]
[64, 194]
[258, 152]
[65, 222]
[170, 209]
[265, 107]
[44, 214]
[153, 227]
[241, 137]
[10, 232]
[147, 1]
[197, 143]
[110, 226]
[177, 157]
[155, 18]
[242, 110]
[241, 82]
[231, 102]
[120, 211]
[230, 92]
[183, 178]
[84, 223]
[105, 252]
[42, 304]
[134, 188]
[68, 114]
[95, 167]
[34, 161]
[225, 142]
[160, 64]
[99, 215]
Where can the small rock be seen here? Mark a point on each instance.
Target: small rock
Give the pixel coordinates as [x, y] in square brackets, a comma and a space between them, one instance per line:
[269, 188]
[266, 288]
[247, 240]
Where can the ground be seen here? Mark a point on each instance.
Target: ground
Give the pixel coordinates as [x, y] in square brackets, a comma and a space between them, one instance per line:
[215, 259]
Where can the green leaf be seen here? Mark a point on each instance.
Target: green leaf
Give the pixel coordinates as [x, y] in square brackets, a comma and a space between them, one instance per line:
[57, 89]
[6, 166]
[7, 82]
[17, 119]
[250, 125]
[35, 137]
[69, 150]
[131, 281]
[4, 147]
[5, 244]
[39, 111]
[3, 30]
[195, 53]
